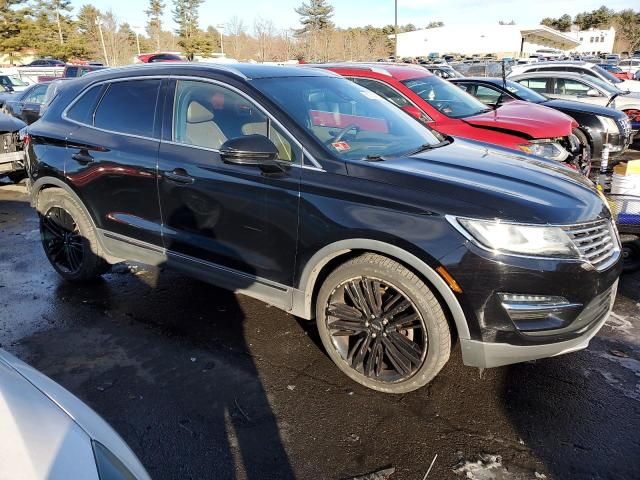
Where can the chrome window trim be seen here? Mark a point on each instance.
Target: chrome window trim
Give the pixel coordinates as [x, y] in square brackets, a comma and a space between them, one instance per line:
[316, 165]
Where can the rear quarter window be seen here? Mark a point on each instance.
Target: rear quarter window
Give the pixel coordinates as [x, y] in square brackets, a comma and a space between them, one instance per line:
[82, 110]
[128, 107]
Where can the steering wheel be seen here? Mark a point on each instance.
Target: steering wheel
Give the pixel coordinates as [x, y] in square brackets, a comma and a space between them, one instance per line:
[344, 131]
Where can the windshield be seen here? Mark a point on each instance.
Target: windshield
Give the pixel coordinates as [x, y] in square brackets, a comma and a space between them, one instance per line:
[445, 97]
[16, 82]
[525, 93]
[349, 120]
[606, 74]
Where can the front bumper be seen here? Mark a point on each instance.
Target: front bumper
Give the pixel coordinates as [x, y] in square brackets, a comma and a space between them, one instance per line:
[481, 354]
[496, 336]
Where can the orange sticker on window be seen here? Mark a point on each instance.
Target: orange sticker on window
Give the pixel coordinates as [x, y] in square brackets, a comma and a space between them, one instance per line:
[341, 146]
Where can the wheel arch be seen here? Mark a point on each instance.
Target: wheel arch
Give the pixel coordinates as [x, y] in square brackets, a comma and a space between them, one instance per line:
[328, 257]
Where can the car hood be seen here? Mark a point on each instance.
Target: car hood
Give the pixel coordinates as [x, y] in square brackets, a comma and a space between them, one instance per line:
[38, 439]
[47, 431]
[535, 121]
[474, 179]
[570, 105]
[630, 85]
[10, 124]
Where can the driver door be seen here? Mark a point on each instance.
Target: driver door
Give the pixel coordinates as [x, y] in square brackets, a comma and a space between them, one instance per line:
[220, 216]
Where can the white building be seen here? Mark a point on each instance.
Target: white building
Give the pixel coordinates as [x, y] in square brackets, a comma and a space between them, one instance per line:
[594, 41]
[500, 40]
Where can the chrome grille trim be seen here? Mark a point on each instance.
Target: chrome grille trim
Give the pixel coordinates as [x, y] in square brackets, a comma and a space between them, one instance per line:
[596, 241]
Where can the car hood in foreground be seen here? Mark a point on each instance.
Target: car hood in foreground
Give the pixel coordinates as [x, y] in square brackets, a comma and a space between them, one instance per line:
[47, 432]
[535, 121]
[475, 179]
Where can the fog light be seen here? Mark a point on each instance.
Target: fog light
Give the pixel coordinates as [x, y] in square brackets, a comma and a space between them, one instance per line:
[538, 312]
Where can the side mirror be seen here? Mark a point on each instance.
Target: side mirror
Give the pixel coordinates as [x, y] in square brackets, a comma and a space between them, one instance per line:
[252, 150]
[592, 92]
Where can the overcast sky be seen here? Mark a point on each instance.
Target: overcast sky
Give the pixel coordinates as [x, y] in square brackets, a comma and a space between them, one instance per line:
[363, 12]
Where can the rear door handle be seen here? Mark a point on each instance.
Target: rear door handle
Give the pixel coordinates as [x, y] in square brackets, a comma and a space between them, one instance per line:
[82, 156]
[179, 175]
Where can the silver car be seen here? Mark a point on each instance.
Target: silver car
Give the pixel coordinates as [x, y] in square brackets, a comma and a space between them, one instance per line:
[586, 69]
[571, 86]
[47, 433]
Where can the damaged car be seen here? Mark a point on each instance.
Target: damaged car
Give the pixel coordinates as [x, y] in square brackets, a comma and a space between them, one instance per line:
[11, 153]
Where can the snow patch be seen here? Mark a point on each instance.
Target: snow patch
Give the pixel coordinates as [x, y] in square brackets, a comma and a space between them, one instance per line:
[487, 467]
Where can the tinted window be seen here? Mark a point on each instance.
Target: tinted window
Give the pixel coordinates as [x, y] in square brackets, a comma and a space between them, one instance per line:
[128, 107]
[36, 95]
[82, 110]
[71, 72]
[536, 84]
[445, 97]
[384, 91]
[570, 87]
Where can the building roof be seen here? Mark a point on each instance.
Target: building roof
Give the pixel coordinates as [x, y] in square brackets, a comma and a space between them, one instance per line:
[544, 35]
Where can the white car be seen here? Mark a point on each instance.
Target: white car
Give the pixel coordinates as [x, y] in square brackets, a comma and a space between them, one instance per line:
[47, 433]
[583, 68]
[631, 65]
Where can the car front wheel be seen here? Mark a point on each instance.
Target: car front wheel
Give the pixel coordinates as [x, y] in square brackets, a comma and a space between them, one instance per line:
[382, 325]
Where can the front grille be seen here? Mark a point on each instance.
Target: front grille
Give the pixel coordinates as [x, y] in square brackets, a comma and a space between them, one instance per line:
[596, 241]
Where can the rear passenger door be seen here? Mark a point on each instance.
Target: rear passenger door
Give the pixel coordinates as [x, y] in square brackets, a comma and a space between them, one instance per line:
[226, 217]
[112, 158]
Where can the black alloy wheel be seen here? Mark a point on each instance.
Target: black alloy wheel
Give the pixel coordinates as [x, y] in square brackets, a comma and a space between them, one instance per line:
[377, 329]
[63, 244]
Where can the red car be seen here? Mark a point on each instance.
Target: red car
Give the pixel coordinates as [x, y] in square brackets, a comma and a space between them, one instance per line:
[159, 57]
[449, 110]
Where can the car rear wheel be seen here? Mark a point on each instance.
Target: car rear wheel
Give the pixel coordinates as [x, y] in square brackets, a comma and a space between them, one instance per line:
[382, 325]
[68, 237]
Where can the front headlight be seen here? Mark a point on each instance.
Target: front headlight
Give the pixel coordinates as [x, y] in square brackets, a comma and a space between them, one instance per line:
[546, 149]
[518, 239]
[609, 125]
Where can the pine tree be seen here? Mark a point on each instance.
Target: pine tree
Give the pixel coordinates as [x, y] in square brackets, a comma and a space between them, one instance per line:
[192, 40]
[154, 24]
[315, 16]
[14, 27]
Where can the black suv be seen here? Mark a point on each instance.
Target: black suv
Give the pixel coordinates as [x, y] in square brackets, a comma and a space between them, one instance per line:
[300, 188]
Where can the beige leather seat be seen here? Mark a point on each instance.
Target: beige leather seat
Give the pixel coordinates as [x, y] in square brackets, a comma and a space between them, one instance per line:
[260, 128]
[201, 130]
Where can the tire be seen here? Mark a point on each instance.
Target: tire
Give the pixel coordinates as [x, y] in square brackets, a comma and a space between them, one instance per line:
[585, 168]
[69, 237]
[365, 347]
[631, 256]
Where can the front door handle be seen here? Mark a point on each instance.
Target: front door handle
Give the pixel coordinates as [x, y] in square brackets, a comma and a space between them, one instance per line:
[82, 156]
[179, 175]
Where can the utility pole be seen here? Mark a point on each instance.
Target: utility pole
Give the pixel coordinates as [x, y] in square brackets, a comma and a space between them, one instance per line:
[104, 48]
[395, 34]
[221, 29]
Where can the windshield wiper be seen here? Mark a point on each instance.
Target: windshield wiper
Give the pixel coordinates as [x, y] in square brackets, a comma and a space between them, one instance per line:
[429, 146]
